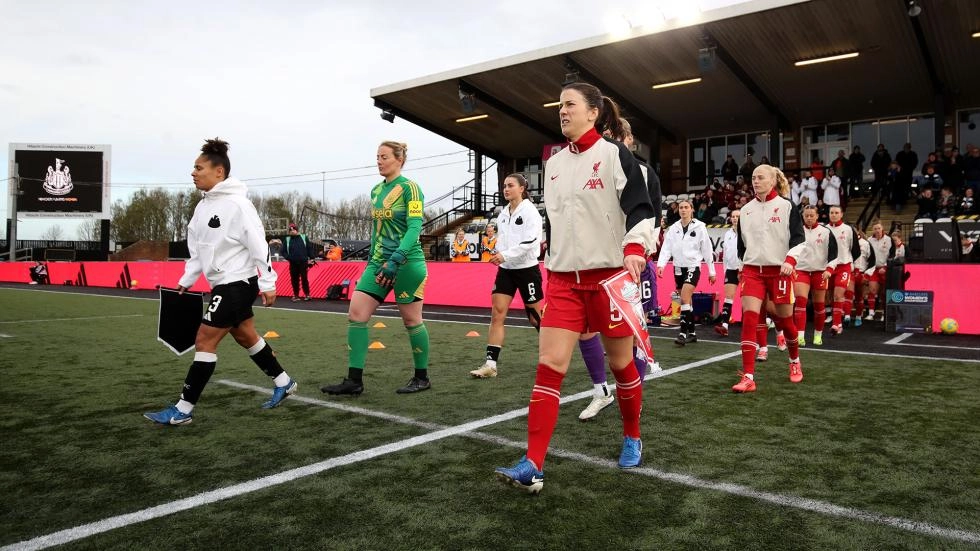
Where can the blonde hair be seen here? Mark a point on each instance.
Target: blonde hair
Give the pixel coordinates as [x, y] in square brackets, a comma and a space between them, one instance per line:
[782, 184]
[399, 149]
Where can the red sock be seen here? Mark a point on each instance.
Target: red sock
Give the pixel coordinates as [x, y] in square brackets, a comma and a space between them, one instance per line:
[872, 299]
[799, 315]
[819, 309]
[848, 302]
[543, 412]
[838, 312]
[629, 394]
[749, 345]
[761, 333]
[789, 331]
[859, 307]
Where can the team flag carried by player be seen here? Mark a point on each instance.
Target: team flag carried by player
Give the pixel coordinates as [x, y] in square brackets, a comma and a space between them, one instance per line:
[180, 318]
[625, 301]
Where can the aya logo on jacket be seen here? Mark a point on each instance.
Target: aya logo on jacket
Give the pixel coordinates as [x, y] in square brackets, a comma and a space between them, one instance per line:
[595, 181]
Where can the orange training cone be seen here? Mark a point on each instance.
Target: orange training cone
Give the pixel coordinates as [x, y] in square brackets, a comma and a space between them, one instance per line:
[379, 325]
[270, 335]
[472, 334]
[376, 345]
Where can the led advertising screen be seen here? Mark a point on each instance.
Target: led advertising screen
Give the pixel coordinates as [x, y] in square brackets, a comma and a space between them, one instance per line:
[61, 180]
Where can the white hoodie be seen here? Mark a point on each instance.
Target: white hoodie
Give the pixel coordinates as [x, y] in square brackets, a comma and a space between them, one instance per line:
[226, 240]
[519, 236]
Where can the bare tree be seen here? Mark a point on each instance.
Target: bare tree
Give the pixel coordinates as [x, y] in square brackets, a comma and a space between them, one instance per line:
[53, 233]
[90, 230]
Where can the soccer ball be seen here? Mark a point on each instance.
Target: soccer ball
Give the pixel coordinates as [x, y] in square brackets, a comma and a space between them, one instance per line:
[949, 326]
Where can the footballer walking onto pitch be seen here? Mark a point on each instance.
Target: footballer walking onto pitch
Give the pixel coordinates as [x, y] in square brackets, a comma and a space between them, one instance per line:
[594, 183]
[516, 255]
[396, 263]
[227, 244]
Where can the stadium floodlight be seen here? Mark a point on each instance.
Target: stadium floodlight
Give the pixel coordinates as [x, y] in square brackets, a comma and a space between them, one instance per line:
[677, 83]
[473, 118]
[838, 57]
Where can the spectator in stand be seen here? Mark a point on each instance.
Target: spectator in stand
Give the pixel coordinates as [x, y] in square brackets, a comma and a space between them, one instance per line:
[897, 196]
[839, 164]
[953, 170]
[764, 160]
[927, 205]
[672, 214]
[747, 167]
[931, 160]
[729, 170]
[968, 205]
[832, 187]
[488, 245]
[823, 212]
[929, 178]
[880, 161]
[908, 161]
[809, 186]
[946, 204]
[817, 168]
[703, 213]
[899, 245]
[795, 189]
[971, 167]
[854, 176]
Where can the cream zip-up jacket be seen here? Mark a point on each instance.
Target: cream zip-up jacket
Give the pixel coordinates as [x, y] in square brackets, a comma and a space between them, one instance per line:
[597, 206]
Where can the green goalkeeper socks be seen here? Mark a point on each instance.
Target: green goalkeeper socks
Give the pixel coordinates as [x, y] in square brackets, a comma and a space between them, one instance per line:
[357, 343]
[418, 337]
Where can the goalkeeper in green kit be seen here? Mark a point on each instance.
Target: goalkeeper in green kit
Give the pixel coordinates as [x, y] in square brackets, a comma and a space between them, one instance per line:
[396, 263]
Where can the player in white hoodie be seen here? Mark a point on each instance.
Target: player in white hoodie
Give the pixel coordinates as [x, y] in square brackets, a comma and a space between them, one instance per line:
[227, 244]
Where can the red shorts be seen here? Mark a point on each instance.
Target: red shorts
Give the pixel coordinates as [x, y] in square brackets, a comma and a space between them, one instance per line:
[583, 306]
[857, 276]
[814, 279]
[878, 276]
[763, 282]
[842, 275]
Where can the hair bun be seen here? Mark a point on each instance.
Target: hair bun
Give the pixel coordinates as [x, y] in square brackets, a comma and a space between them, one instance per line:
[217, 146]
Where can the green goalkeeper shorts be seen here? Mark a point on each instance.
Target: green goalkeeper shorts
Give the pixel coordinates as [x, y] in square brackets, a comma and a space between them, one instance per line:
[409, 282]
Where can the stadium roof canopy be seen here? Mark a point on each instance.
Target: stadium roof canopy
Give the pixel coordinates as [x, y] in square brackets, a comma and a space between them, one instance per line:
[745, 55]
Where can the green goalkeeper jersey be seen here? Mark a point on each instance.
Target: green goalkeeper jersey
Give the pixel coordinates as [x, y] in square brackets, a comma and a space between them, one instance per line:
[396, 212]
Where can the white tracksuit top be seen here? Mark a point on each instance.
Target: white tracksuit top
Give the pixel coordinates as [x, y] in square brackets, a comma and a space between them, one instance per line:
[226, 240]
[519, 236]
[688, 248]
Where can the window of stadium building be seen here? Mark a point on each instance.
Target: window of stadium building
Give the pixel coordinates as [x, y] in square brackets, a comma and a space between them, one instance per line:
[824, 141]
[968, 127]
[706, 156]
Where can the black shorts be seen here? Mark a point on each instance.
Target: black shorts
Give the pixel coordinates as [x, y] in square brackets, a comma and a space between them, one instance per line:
[686, 276]
[526, 280]
[231, 303]
[731, 277]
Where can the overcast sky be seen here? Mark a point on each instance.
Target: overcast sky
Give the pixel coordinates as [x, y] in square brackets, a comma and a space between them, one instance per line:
[286, 83]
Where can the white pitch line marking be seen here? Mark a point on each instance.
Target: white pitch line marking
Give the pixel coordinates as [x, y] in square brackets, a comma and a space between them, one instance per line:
[75, 319]
[899, 338]
[439, 432]
[6, 336]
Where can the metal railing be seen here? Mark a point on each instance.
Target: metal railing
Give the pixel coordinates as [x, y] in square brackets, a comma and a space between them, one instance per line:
[871, 210]
[18, 256]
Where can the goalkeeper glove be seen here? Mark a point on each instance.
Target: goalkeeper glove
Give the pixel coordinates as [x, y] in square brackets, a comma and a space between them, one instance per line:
[389, 269]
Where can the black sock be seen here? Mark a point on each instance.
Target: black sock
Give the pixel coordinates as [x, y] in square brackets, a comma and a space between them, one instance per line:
[493, 352]
[422, 374]
[726, 313]
[355, 374]
[267, 362]
[198, 376]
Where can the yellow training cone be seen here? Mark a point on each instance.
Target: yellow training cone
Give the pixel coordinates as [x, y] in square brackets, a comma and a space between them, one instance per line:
[376, 345]
[472, 334]
[270, 335]
[379, 325]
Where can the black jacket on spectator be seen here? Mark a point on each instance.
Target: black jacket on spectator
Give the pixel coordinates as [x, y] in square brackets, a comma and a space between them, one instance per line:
[297, 248]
